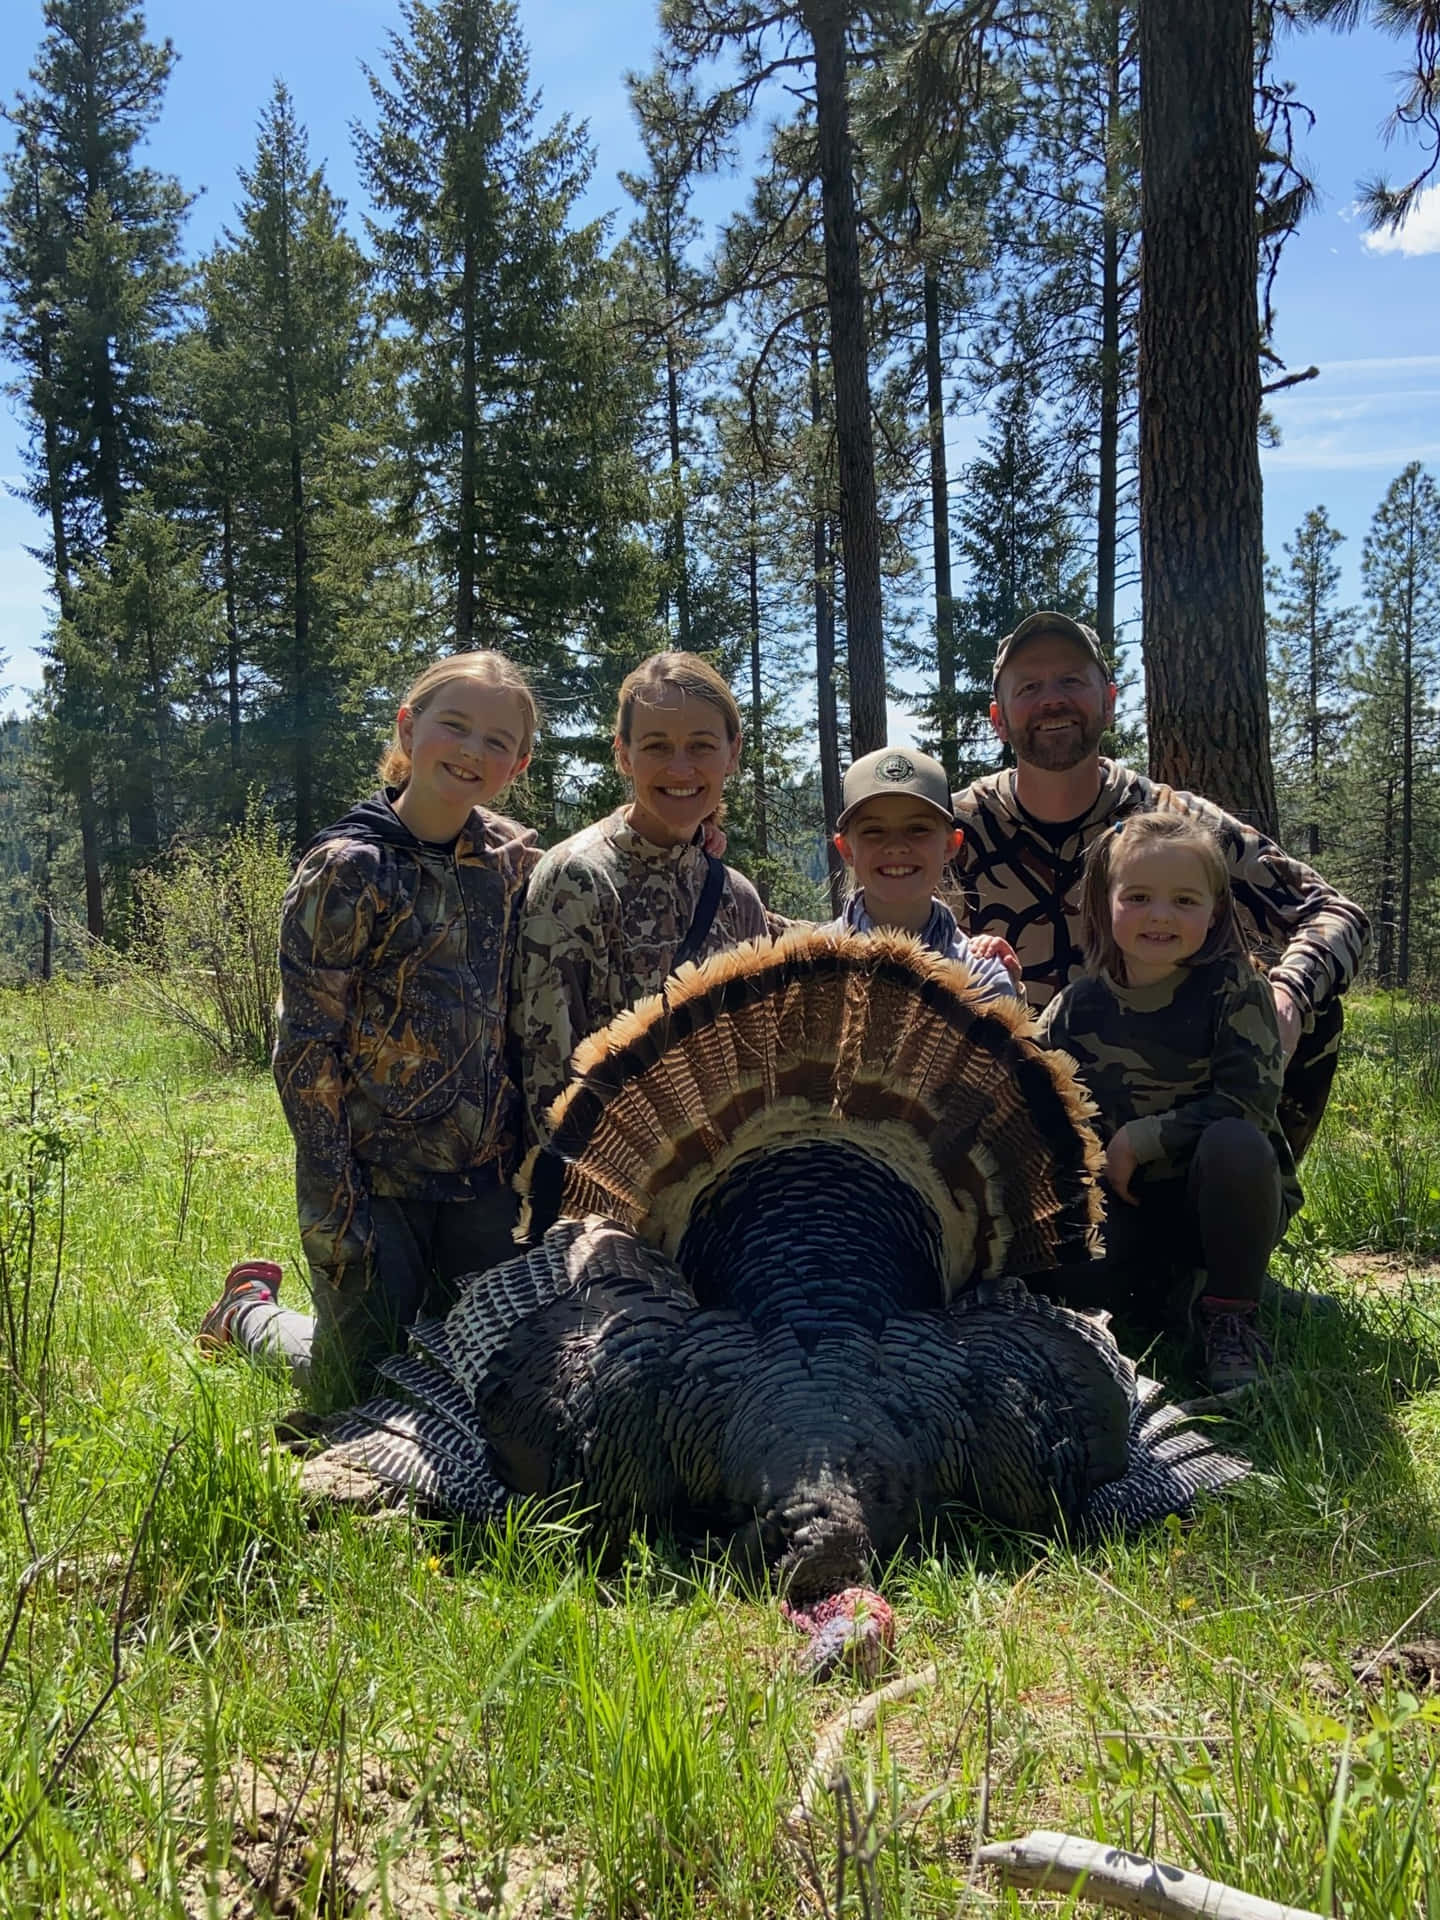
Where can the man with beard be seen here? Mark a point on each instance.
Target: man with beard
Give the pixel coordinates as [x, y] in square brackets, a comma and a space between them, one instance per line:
[1027, 829]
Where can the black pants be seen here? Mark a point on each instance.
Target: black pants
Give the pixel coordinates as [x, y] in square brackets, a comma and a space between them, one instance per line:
[1210, 1231]
[421, 1248]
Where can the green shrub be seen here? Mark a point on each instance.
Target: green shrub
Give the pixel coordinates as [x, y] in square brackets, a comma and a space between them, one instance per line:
[205, 954]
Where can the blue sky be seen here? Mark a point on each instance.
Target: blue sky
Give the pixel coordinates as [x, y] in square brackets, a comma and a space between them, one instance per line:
[1365, 315]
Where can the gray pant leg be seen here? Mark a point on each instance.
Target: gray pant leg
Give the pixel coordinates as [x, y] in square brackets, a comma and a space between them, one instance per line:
[275, 1335]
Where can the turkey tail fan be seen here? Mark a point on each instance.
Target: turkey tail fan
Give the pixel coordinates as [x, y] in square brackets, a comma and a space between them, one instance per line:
[413, 1447]
[1173, 1462]
[868, 1041]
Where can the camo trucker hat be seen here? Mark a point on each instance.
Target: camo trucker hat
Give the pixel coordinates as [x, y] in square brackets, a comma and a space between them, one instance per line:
[895, 770]
[1037, 623]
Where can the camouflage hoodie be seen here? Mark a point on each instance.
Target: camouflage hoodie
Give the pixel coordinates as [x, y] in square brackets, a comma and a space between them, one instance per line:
[604, 917]
[395, 961]
[1021, 881]
[1169, 1059]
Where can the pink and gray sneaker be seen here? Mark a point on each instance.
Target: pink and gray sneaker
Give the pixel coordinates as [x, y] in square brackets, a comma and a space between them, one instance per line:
[248, 1284]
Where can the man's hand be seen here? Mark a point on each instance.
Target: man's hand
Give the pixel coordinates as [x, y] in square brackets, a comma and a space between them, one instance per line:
[1289, 1017]
[1120, 1166]
[990, 946]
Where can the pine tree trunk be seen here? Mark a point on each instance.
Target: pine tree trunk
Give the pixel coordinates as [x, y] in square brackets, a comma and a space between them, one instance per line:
[1107, 497]
[300, 659]
[849, 350]
[232, 653]
[1407, 773]
[468, 528]
[1201, 547]
[827, 717]
[1385, 917]
[757, 699]
[82, 786]
[940, 535]
[679, 562]
[827, 709]
[1312, 720]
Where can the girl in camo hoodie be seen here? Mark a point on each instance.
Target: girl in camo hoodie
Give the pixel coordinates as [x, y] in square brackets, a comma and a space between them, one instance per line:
[396, 944]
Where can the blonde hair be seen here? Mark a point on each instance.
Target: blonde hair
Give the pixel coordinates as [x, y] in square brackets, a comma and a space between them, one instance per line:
[482, 665]
[1097, 933]
[688, 674]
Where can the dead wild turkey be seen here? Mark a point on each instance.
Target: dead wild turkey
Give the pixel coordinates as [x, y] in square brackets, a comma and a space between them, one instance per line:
[770, 1291]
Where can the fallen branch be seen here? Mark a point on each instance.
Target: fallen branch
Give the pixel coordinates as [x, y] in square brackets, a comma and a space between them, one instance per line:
[857, 1719]
[1131, 1882]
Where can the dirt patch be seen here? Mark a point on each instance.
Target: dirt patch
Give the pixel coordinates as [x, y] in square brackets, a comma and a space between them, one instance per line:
[1386, 1272]
[292, 1853]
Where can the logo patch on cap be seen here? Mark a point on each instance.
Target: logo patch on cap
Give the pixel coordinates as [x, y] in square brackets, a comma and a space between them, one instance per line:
[897, 767]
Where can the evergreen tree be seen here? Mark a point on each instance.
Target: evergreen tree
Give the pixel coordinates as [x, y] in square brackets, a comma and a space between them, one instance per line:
[92, 279]
[669, 311]
[1400, 567]
[521, 394]
[282, 347]
[1018, 544]
[823, 39]
[1311, 638]
[1201, 538]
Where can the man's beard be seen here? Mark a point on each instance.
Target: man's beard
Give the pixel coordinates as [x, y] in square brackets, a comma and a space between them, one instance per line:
[1058, 752]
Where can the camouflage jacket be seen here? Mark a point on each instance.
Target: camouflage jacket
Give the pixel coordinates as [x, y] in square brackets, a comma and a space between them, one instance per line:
[1017, 880]
[1168, 1060]
[604, 917]
[395, 960]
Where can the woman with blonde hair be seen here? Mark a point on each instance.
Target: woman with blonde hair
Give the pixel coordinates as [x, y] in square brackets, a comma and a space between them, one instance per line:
[618, 906]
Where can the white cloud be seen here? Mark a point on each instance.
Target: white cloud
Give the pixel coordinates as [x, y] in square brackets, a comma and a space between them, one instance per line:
[1419, 232]
[1327, 454]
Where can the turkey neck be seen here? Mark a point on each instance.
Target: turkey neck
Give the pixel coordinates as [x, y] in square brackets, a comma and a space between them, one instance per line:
[816, 1238]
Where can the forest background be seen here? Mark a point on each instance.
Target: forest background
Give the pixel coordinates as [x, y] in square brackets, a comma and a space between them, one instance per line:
[433, 377]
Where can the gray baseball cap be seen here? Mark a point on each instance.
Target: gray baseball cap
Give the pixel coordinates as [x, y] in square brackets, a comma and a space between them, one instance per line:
[1035, 624]
[895, 770]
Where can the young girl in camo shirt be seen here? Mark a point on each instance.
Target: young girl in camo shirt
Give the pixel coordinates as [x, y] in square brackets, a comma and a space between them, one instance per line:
[1177, 1042]
[397, 938]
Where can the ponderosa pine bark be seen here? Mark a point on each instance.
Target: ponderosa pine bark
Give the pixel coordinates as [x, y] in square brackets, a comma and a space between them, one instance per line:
[1201, 544]
[940, 534]
[826, 21]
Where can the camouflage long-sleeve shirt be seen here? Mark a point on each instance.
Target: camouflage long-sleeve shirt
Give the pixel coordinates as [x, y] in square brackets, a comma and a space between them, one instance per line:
[395, 961]
[605, 915]
[1021, 879]
[1168, 1060]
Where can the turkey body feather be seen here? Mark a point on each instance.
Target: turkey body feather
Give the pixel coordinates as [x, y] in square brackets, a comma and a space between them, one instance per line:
[772, 1291]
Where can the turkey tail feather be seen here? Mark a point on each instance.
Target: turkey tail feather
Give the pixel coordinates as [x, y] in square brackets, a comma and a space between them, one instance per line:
[869, 1040]
[1173, 1463]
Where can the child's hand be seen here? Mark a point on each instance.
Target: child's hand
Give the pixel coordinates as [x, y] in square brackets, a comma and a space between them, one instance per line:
[991, 946]
[713, 839]
[1120, 1166]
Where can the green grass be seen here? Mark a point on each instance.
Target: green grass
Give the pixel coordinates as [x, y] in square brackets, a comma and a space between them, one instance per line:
[359, 1718]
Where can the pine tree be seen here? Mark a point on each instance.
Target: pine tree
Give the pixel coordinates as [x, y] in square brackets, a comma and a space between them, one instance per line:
[1400, 567]
[1201, 539]
[1019, 544]
[283, 342]
[669, 312]
[521, 393]
[92, 279]
[1311, 638]
[821, 39]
